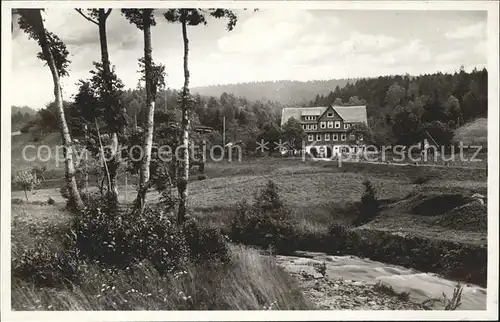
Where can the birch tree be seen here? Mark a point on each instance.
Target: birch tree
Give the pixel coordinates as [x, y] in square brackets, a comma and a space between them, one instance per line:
[191, 17]
[144, 20]
[55, 54]
[115, 114]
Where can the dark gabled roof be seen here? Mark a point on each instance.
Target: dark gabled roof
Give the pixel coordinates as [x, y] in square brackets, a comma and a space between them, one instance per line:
[351, 114]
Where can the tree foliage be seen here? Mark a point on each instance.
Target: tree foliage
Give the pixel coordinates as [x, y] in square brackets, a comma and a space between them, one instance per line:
[397, 105]
[293, 133]
[29, 24]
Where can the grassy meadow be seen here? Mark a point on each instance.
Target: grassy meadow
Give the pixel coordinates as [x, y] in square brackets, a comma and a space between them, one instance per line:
[319, 194]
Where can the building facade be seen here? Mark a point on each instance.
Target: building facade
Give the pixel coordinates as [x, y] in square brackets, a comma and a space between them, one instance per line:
[327, 128]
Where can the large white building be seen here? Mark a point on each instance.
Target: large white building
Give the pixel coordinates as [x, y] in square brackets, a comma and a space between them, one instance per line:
[327, 128]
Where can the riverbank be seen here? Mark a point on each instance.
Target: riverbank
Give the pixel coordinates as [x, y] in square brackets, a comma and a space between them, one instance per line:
[355, 283]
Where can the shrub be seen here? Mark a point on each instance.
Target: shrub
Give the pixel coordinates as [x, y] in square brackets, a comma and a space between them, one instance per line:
[205, 244]
[45, 267]
[340, 238]
[118, 237]
[202, 177]
[25, 180]
[17, 201]
[266, 223]
[269, 198]
[369, 206]
[320, 268]
[421, 179]
[387, 289]
[51, 201]
[39, 259]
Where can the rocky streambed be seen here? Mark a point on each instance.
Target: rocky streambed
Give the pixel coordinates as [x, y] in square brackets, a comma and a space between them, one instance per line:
[354, 283]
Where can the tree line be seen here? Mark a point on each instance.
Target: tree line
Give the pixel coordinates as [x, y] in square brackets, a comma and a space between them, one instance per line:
[402, 109]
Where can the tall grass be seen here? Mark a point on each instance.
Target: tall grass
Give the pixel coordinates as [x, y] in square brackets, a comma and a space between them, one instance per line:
[249, 282]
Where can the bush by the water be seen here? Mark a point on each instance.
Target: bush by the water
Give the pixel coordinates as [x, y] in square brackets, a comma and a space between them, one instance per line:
[266, 222]
[454, 260]
[369, 206]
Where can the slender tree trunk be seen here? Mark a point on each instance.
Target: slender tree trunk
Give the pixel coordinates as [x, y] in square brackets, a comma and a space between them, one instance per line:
[150, 106]
[63, 126]
[182, 185]
[114, 162]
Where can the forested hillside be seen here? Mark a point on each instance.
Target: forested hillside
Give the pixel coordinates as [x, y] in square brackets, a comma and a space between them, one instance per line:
[284, 91]
[401, 109]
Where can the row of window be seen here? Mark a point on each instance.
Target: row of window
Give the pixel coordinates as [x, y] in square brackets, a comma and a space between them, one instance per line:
[312, 118]
[310, 126]
[324, 125]
[334, 137]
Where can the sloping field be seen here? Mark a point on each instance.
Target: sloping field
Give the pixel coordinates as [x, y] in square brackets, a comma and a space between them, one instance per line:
[473, 133]
[26, 152]
[438, 213]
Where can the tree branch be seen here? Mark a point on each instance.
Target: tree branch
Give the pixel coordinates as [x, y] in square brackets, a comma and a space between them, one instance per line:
[84, 16]
[107, 13]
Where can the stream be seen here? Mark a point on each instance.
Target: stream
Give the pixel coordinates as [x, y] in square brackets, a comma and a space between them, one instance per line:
[421, 286]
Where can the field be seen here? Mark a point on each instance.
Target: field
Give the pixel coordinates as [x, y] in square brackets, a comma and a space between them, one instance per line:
[319, 194]
[315, 190]
[473, 133]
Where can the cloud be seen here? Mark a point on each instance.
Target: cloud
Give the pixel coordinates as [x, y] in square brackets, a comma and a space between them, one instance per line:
[358, 43]
[262, 33]
[265, 45]
[481, 50]
[414, 52]
[269, 31]
[477, 30]
[450, 56]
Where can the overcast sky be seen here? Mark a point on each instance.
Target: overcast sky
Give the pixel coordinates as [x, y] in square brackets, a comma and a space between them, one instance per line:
[265, 45]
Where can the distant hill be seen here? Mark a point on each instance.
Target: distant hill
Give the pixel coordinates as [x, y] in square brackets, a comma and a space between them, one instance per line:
[285, 92]
[23, 109]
